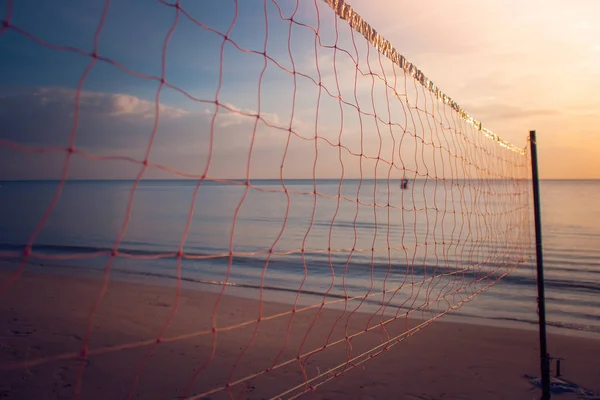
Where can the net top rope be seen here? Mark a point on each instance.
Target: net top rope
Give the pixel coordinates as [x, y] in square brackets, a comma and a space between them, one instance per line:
[345, 12]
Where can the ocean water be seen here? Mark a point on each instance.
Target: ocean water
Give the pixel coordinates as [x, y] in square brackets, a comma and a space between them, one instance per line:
[425, 248]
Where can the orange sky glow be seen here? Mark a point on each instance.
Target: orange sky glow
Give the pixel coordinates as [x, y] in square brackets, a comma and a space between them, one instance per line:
[514, 65]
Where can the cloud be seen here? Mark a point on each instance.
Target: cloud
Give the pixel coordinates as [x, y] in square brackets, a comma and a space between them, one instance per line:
[231, 145]
[233, 115]
[121, 125]
[105, 103]
[44, 116]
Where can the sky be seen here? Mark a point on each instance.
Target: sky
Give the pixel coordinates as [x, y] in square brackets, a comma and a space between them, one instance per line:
[514, 66]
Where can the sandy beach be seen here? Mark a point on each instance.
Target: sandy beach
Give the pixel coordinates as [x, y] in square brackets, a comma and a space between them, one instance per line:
[45, 320]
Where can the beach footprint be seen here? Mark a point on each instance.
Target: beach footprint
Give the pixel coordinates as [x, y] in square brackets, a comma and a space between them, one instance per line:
[64, 378]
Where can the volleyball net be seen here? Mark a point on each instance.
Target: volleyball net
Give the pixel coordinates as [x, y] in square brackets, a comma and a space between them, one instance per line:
[303, 196]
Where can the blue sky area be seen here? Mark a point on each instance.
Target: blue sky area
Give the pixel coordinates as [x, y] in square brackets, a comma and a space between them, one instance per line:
[133, 35]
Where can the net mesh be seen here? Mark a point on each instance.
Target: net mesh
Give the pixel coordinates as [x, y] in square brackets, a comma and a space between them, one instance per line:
[357, 203]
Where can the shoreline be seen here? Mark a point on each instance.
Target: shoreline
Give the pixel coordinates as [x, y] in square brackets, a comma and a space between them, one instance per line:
[46, 316]
[244, 291]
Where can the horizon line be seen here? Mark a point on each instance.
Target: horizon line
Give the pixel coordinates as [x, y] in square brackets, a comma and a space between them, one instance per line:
[224, 180]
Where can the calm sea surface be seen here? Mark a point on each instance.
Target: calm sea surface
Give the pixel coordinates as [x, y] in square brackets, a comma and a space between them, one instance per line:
[433, 246]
